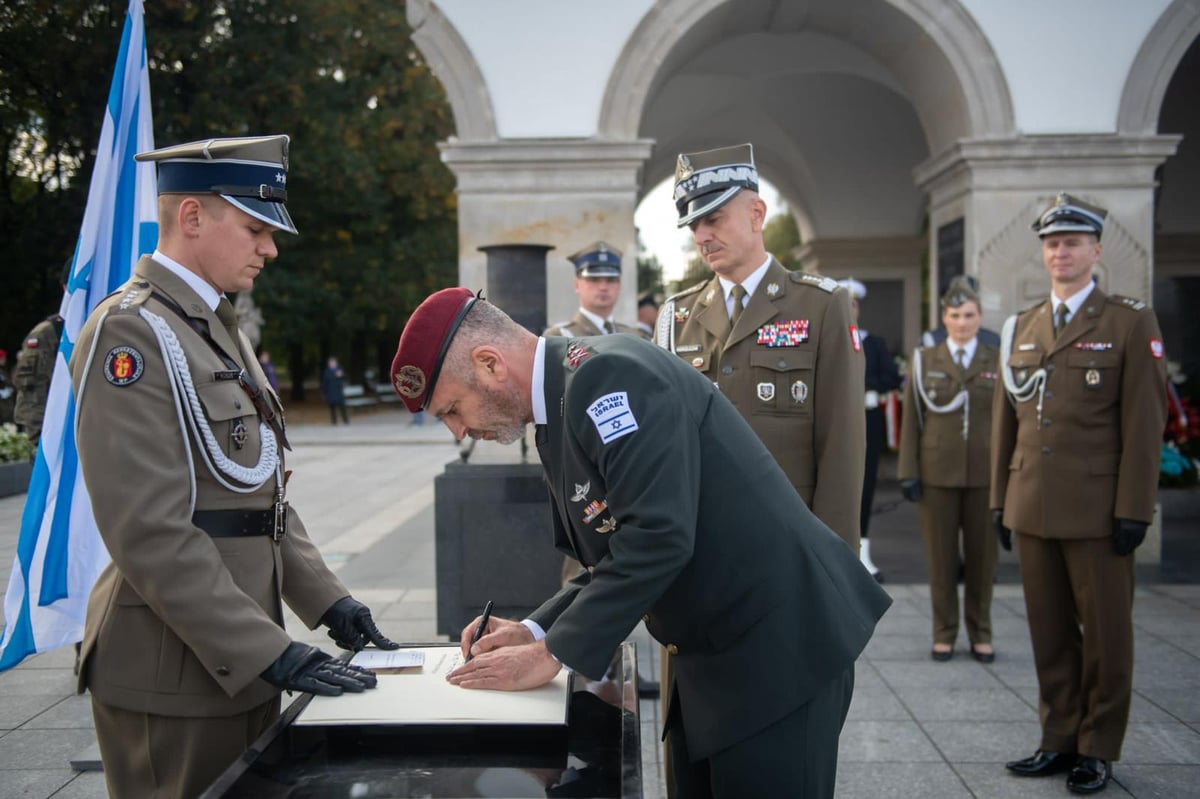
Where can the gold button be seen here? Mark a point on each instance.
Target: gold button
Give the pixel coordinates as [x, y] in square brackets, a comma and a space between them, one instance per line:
[672, 649]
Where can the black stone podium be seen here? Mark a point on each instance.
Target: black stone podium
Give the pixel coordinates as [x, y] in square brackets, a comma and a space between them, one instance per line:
[494, 541]
[598, 754]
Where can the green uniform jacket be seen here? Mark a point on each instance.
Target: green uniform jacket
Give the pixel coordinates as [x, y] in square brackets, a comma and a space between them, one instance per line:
[686, 520]
[933, 448]
[34, 370]
[180, 623]
[1095, 454]
[794, 370]
[579, 325]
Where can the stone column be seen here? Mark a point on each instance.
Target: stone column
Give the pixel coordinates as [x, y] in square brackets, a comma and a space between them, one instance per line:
[565, 193]
[997, 187]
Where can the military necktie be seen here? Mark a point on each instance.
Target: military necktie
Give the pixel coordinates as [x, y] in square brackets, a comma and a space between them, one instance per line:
[608, 327]
[228, 318]
[960, 357]
[739, 291]
[1060, 317]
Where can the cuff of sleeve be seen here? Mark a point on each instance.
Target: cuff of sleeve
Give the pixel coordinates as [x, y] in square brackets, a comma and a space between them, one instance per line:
[535, 628]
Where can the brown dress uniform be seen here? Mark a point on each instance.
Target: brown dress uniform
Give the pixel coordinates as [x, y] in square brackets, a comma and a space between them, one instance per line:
[1066, 461]
[579, 325]
[944, 444]
[181, 623]
[793, 367]
[34, 370]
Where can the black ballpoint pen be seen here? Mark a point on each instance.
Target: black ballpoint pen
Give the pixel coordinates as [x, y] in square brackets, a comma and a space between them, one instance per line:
[480, 630]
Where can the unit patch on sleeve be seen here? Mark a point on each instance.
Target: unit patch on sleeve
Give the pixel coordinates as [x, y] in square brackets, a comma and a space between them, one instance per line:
[123, 365]
[855, 339]
[612, 416]
[1156, 347]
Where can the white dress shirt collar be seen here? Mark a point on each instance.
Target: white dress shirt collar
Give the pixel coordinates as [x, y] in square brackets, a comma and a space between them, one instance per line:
[194, 281]
[596, 320]
[969, 350]
[1074, 302]
[750, 284]
[537, 389]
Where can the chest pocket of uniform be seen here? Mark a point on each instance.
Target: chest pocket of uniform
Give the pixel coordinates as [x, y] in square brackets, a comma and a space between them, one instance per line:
[939, 386]
[231, 416]
[1093, 375]
[1024, 364]
[783, 381]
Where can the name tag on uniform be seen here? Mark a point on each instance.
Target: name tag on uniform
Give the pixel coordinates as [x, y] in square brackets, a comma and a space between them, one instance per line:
[687, 348]
[1026, 347]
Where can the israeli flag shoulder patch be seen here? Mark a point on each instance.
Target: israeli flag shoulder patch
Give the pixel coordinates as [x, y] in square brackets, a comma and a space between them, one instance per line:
[612, 416]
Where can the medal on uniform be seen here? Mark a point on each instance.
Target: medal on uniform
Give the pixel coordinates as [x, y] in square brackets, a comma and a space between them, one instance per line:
[681, 314]
[608, 526]
[239, 434]
[1092, 378]
[772, 289]
[594, 509]
[581, 491]
[697, 362]
[766, 391]
[799, 392]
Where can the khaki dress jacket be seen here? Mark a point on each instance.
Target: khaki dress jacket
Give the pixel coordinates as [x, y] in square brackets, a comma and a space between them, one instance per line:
[180, 623]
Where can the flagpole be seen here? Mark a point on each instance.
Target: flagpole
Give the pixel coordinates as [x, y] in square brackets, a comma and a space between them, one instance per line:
[59, 550]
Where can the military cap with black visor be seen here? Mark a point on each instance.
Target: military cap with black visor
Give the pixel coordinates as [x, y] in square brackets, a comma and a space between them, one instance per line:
[1069, 214]
[598, 259]
[706, 180]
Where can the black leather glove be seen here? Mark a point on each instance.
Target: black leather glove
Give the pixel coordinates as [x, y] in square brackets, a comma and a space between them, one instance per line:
[351, 626]
[306, 668]
[1002, 532]
[911, 489]
[1128, 535]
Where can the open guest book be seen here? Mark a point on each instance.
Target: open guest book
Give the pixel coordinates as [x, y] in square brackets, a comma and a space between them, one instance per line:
[412, 690]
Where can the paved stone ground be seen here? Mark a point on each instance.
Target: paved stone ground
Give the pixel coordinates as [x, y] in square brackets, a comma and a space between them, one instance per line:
[916, 728]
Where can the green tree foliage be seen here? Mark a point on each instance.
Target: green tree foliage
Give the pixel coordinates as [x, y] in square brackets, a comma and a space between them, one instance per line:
[781, 237]
[374, 204]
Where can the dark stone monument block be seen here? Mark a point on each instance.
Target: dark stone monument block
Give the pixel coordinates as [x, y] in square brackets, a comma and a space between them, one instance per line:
[516, 282]
[494, 541]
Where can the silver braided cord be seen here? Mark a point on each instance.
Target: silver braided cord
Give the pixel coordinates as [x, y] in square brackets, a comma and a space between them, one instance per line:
[959, 400]
[1035, 384]
[219, 464]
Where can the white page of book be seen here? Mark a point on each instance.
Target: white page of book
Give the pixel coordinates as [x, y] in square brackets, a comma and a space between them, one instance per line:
[422, 696]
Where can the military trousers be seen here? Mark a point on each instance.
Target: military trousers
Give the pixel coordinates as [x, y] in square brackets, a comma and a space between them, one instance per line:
[1079, 601]
[944, 512]
[795, 757]
[172, 757]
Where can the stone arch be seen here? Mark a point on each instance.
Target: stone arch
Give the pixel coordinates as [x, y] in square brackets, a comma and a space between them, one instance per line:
[969, 53]
[455, 66]
[1154, 65]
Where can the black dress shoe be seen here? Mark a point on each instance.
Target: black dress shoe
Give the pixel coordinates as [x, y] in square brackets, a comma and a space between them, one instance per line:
[1042, 763]
[941, 657]
[983, 657]
[1090, 775]
[648, 689]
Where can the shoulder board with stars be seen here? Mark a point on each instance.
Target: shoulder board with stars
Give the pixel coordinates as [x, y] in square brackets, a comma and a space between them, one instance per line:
[823, 283]
[688, 291]
[1127, 302]
[131, 297]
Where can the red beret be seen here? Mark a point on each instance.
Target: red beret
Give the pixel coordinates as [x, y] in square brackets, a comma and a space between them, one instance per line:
[424, 342]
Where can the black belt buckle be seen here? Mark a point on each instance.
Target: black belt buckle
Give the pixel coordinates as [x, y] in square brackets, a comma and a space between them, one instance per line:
[281, 516]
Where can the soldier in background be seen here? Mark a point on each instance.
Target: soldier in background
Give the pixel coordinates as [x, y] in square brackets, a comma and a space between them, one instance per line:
[944, 466]
[35, 368]
[781, 346]
[598, 284]
[647, 314]
[1076, 442]
[880, 378]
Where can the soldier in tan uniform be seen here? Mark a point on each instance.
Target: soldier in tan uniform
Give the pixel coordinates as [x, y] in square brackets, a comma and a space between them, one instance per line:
[782, 346]
[32, 375]
[944, 465]
[181, 444]
[1076, 437]
[598, 284]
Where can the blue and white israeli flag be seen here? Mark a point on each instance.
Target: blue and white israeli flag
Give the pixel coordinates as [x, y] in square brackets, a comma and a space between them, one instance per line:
[59, 552]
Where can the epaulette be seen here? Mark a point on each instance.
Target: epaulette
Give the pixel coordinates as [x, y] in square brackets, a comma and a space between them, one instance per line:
[687, 291]
[823, 283]
[133, 296]
[1127, 302]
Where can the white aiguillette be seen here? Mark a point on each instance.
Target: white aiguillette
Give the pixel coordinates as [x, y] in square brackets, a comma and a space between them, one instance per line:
[413, 691]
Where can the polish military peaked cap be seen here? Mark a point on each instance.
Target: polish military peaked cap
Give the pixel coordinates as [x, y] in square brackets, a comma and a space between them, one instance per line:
[1069, 214]
[598, 259]
[706, 180]
[249, 172]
